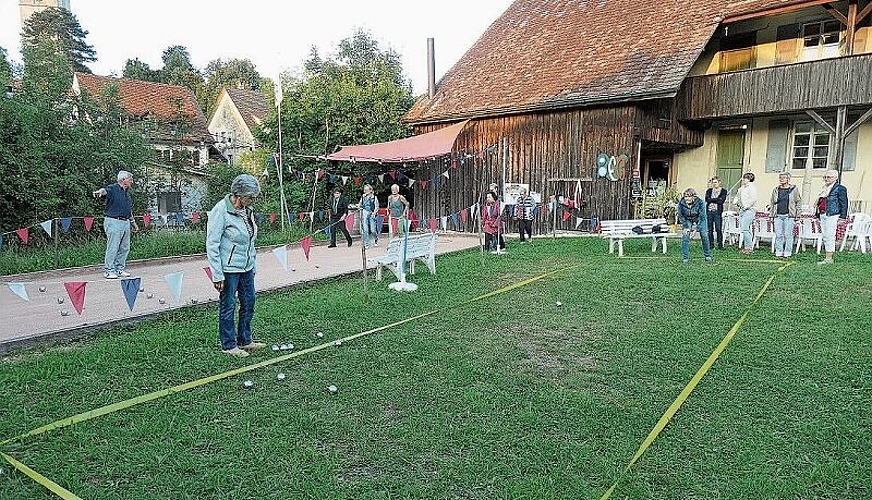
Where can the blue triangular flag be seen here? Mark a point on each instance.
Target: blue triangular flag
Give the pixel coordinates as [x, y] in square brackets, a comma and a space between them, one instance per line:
[320, 214]
[180, 218]
[1, 242]
[18, 289]
[281, 254]
[259, 218]
[130, 287]
[456, 219]
[65, 224]
[174, 280]
[46, 226]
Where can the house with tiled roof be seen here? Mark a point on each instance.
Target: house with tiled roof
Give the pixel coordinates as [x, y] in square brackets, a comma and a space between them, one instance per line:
[172, 122]
[624, 98]
[237, 114]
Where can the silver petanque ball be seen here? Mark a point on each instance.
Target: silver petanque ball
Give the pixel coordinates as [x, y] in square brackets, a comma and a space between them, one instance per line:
[248, 384]
[162, 300]
[320, 335]
[65, 313]
[60, 300]
[150, 296]
[290, 347]
[194, 300]
[337, 343]
[332, 389]
[42, 289]
[276, 347]
[280, 377]
[141, 289]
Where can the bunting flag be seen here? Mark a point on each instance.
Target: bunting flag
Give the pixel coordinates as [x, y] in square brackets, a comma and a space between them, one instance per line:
[208, 270]
[393, 174]
[195, 217]
[174, 280]
[454, 164]
[357, 180]
[46, 226]
[381, 178]
[23, 233]
[1, 242]
[281, 254]
[259, 218]
[301, 216]
[66, 222]
[566, 215]
[312, 216]
[344, 180]
[180, 218]
[290, 218]
[18, 289]
[578, 221]
[577, 195]
[379, 222]
[464, 215]
[272, 217]
[436, 182]
[423, 184]
[146, 220]
[445, 173]
[76, 291]
[89, 223]
[433, 225]
[130, 287]
[306, 244]
[349, 221]
[456, 219]
[163, 220]
[444, 220]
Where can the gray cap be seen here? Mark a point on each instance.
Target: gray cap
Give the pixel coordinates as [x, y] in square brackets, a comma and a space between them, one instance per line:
[245, 185]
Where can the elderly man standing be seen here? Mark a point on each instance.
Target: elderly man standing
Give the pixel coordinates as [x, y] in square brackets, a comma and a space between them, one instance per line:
[832, 205]
[117, 222]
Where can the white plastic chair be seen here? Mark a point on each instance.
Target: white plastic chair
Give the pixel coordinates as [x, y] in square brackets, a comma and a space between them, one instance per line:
[855, 229]
[764, 229]
[809, 229]
[731, 228]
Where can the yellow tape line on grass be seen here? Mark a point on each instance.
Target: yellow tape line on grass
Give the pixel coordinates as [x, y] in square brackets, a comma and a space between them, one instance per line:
[682, 397]
[121, 405]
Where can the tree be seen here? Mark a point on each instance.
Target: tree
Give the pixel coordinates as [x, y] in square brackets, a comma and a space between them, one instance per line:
[138, 70]
[5, 71]
[61, 26]
[234, 73]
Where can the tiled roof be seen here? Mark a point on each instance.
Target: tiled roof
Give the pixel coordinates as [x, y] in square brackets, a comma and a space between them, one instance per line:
[546, 54]
[251, 105]
[160, 101]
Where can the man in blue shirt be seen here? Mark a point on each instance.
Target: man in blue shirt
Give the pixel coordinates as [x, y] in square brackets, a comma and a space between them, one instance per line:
[117, 224]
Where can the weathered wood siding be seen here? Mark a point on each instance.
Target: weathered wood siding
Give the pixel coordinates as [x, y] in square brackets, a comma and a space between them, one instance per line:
[819, 84]
[548, 151]
[657, 122]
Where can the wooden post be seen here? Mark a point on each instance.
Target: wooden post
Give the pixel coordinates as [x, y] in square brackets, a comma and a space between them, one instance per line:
[54, 232]
[839, 153]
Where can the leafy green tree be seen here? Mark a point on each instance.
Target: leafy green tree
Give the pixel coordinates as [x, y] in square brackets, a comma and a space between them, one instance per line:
[5, 70]
[359, 96]
[61, 26]
[138, 70]
[233, 73]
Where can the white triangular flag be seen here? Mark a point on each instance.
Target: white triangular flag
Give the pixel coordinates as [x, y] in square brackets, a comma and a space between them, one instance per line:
[174, 280]
[444, 220]
[47, 226]
[445, 173]
[381, 178]
[578, 221]
[411, 182]
[344, 180]
[18, 289]
[281, 254]
[312, 216]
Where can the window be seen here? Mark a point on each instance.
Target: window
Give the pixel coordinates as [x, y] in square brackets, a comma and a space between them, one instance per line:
[810, 141]
[739, 52]
[820, 40]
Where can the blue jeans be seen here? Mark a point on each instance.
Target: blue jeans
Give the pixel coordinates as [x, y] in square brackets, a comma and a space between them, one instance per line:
[685, 243]
[746, 220]
[368, 227]
[241, 285]
[117, 244]
[783, 235]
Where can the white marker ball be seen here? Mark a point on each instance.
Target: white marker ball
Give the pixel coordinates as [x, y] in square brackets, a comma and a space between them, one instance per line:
[276, 347]
[248, 384]
[280, 377]
[559, 304]
[337, 343]
[319, 335]
[332, 389]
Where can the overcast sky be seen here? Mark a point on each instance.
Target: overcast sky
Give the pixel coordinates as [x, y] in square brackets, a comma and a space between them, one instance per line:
[274, 35]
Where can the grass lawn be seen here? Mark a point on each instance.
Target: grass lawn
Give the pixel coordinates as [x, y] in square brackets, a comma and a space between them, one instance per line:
[508, 397]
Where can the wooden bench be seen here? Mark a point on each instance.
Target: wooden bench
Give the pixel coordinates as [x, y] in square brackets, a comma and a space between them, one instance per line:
[421, 246]
[619, 230]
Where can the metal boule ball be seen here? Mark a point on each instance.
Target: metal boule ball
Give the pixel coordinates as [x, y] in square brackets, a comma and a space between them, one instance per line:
[280, 376]
[60, 300]
[290, 347]
[294, 269]
[332, 389]
[162, 300]
[42, 289]
[65, 313]
[248, 384]
[276, 347]
[320, 335]
[150, 296]
[337, 343]
[194, 300]
[141, 289]
[317, 266]
[283, 347]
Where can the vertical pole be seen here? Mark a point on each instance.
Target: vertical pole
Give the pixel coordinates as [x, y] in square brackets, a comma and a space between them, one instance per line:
[54, 232]
[838, 154]
[280, 167]
[852, 27]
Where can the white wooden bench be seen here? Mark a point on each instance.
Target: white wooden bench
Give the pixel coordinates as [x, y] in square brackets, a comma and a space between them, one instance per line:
[619, 230]
[421, 246]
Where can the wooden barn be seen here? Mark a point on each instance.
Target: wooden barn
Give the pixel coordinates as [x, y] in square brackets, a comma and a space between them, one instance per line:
[627, 99]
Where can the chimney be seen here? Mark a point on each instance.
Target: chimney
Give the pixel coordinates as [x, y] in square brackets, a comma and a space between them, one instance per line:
[431, 69]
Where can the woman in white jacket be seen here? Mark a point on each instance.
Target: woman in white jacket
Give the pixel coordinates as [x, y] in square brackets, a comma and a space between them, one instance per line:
[746, 200]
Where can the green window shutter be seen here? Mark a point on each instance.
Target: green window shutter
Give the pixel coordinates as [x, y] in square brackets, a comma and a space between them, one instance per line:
[849, 154]
[776, 146]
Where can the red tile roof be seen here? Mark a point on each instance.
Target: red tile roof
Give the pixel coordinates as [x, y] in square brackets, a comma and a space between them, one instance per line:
[163, 102]
[548, 54]
[251, 105]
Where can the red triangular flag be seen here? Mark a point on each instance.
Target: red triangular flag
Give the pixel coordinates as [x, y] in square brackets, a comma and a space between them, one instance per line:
[146, 220]
[393, 174]
[464, 214]
[301, 216]
[423, 184]
[23, 233]
[433, 225]
[566, 215]
[208, 270]
[306, 243]
[357, 180]
[272, 217]
[89, 223]
[195, 217]
[454, 164]
[76, 291]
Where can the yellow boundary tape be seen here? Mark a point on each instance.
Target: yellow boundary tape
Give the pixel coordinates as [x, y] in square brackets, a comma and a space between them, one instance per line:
[121, 405]
[685, 393]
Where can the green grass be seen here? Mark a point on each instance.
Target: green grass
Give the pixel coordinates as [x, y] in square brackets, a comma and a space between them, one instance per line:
[506, 397]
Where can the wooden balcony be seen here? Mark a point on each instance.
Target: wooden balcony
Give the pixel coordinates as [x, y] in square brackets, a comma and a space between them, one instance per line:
[827, 83]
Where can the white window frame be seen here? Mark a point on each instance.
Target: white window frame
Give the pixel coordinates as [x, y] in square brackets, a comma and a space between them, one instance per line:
[814, 146]
[823, 43]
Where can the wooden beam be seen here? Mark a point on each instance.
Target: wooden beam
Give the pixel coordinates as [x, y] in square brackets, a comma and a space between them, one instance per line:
[854, 126]
[852, 27]
[771, 12]
[865, 12]
[835, 13]
[823, 123]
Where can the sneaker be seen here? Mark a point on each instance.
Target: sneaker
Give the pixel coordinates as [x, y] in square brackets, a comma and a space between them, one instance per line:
[110, 275]
[253, 346]
[239, 353]
[708, 259]
[778, 256]
[123, 274]
[684, 261]
[825, 262]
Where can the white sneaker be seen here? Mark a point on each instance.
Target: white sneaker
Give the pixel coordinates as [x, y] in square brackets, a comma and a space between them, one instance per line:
[236, 351]
[110, 275]
[122, 274]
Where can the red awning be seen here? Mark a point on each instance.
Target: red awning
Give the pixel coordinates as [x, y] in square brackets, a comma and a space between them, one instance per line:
[418, 147]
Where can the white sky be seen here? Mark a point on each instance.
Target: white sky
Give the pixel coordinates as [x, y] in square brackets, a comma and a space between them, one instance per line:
[275, 35]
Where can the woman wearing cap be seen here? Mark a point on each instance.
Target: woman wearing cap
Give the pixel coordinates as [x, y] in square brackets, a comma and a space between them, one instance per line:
[230, 236]
[691, 214]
